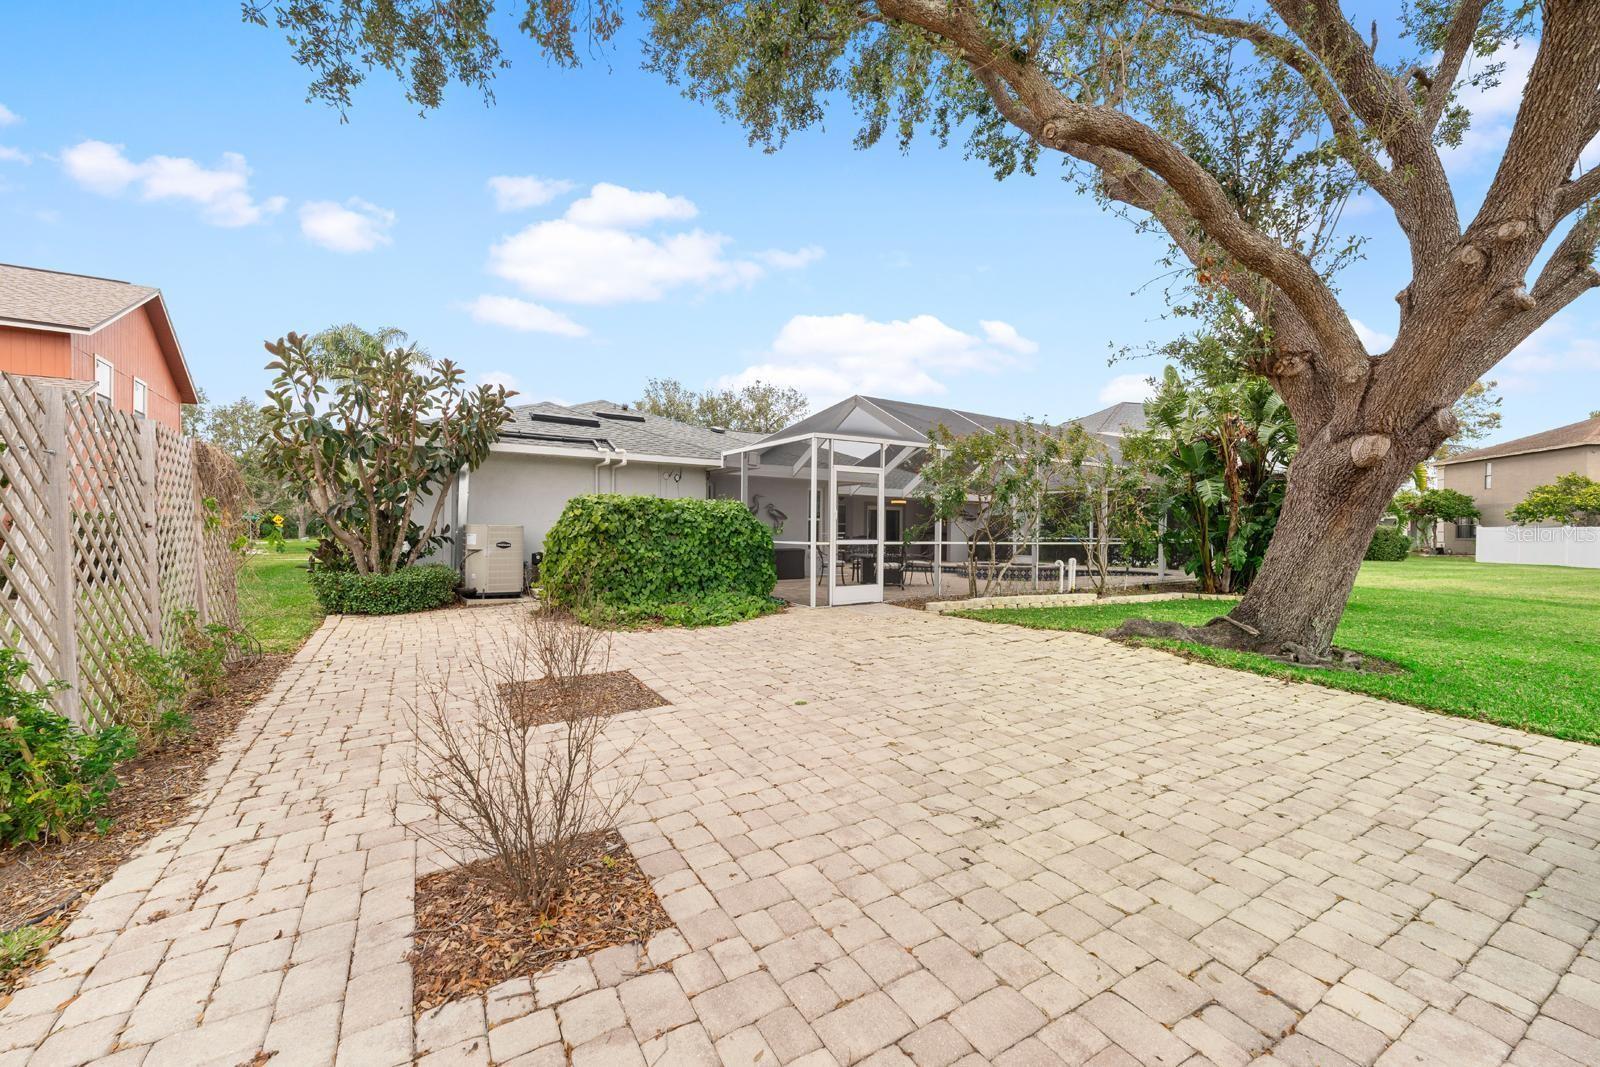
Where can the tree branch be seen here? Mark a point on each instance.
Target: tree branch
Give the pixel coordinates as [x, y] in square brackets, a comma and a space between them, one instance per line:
[1578, 192]
[1274, 45]
[1457, 42]
[1074, 128]
[1549, 132]
[1389, 115]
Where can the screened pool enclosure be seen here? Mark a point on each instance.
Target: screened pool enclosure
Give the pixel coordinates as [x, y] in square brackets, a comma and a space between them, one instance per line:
[839, 490]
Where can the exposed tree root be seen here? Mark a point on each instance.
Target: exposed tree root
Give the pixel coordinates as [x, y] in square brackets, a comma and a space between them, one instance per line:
[1228, 633]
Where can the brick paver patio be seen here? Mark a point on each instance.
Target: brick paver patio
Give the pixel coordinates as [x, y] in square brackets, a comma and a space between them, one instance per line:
[887, 838]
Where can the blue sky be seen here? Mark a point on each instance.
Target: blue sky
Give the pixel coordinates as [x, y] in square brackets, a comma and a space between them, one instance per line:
[192, 162]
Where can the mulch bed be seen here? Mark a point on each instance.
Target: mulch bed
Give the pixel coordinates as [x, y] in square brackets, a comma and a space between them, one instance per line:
[472, 935]
[609, 693]
[48, 884]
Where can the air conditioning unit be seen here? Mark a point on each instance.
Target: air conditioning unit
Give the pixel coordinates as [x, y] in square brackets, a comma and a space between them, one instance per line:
[493, 561]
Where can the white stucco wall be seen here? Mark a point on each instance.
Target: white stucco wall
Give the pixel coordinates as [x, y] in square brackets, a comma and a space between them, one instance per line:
[530, 491]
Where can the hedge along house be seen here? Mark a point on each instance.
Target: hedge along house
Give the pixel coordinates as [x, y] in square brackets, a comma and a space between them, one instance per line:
[838, 489]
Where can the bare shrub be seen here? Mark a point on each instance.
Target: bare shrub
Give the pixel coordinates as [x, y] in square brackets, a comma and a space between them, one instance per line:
[565, 649]
[530, 798]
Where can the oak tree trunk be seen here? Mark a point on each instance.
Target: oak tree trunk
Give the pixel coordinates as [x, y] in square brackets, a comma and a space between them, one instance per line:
[1330, 511]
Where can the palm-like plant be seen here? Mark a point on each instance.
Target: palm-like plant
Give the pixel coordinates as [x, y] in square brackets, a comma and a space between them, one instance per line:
[1217, 454]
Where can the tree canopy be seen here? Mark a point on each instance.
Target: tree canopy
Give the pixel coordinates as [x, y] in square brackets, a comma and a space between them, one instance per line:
[759, 407]
[1572, 500]
[372, 439]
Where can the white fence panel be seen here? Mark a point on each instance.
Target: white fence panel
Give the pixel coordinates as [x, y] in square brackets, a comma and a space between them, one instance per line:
[1551, 546]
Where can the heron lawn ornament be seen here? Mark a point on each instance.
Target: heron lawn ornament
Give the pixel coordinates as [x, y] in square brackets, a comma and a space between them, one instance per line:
[776, 516]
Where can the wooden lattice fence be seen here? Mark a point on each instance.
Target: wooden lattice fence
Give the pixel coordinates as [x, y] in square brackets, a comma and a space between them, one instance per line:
[105, 538]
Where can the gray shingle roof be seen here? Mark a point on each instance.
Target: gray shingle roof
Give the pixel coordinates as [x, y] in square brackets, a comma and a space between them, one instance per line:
[1573, 435]
[603, 426]
[1114, 420]
[65, 301]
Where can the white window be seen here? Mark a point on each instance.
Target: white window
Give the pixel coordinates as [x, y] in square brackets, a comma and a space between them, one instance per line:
[1488, 475]
[105, 377]
[141, 397]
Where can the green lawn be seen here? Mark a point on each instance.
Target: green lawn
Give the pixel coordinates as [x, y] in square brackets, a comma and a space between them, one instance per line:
[1508, 644]
[275, 598]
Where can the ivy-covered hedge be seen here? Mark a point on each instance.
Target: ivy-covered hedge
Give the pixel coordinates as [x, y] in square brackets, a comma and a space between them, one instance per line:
[683, 562]
[1389, 544]
[409, 589]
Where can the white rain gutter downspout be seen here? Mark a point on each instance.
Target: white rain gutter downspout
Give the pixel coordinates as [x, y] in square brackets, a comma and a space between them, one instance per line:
[597, 469]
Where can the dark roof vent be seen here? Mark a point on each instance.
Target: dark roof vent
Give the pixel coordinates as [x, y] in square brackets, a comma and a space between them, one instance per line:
[620, 416]
[719, 429]
[553, 438]
[562, 420]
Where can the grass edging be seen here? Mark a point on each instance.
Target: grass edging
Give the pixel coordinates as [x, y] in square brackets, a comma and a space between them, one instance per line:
[1512, 646]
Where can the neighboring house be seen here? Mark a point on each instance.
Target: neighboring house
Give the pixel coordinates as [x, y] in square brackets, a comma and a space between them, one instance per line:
[1498, 477]
[549, 453]
[114, 336]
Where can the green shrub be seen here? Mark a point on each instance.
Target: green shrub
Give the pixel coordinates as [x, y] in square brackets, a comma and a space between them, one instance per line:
[641, 558]
[1389, 544]
[417, 588]
[19, 948]
[713, 609]
[151, 690]
[53, 776]
[202, 654]
[148, 693]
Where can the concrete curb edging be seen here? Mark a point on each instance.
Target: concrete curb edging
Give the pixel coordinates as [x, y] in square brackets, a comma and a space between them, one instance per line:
[1060, 600]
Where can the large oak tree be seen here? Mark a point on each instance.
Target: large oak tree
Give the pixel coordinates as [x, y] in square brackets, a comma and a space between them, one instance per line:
[1234, 129]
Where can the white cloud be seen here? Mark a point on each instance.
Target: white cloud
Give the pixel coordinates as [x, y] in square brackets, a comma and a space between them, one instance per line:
[8, 117]
[562, 260]
[1374, 340]
[1006, 336]
[523, 316]
[1126, 389]
[611, 205]
[14, 155]
[778, 259]
[1493, 109]
[222, 193]
[353, 226]
[518, 192]
[832, 356]
[592, 254]
[1556, 349]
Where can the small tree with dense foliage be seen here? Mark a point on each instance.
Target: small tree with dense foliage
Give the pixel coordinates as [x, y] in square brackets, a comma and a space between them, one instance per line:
[1112, 499]
[1420, 510]
[1572, 500]
[989, 485]
[367, 438]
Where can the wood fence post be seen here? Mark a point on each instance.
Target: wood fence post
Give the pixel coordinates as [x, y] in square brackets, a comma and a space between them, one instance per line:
[150, 497]
[198, 521]
[62, 552]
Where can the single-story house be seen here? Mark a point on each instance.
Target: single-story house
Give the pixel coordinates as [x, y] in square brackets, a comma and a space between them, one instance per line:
[1499, 477]
[113, 335]
[837, 471]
